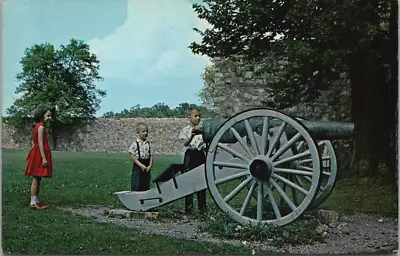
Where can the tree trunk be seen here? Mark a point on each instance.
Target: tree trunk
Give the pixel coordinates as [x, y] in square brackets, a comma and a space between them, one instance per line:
[392, 97]
[368, 90]
[53, 138]
[53, 129]
[374, 97]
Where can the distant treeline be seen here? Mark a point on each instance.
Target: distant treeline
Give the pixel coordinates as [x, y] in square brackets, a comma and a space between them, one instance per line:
[159, 110]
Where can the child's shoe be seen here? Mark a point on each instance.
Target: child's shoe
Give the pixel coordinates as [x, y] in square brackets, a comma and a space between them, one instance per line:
[38, 206]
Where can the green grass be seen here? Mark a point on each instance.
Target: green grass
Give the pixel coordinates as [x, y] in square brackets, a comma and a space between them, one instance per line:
[81, 179]
[366, 195]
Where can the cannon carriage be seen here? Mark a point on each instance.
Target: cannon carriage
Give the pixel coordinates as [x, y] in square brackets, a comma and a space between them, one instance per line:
[262, 167]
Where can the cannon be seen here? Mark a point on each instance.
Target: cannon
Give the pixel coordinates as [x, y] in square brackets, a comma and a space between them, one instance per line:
[262, 167]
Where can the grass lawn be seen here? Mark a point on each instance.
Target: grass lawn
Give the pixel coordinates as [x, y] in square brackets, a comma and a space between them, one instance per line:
[81, 179]
[366, 195]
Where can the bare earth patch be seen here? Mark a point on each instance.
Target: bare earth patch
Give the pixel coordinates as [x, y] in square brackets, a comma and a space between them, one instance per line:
[355, 233]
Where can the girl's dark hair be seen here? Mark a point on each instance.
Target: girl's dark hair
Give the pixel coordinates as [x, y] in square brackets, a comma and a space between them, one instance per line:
[39, 112]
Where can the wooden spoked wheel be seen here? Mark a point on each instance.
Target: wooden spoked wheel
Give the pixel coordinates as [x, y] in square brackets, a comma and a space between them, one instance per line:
[262, 165]
[327, 180]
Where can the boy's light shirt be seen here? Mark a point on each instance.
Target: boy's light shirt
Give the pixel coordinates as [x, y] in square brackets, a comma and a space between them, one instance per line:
[144, 149]
[197, 141]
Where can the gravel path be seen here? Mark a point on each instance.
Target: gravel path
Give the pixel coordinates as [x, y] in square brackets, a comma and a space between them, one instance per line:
[356, 233]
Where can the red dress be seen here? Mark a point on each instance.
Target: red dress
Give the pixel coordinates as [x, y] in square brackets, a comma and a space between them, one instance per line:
[34, 158]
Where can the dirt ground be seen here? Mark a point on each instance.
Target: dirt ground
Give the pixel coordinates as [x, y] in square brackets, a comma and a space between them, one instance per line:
[359, 233]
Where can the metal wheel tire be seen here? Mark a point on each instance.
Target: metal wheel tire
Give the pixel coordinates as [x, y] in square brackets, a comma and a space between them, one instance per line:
[262, 166]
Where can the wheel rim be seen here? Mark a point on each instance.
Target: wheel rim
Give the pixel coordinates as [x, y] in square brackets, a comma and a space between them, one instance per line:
[249, 160]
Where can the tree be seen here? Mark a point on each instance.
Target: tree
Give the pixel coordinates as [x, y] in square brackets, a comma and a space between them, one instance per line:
[108, 114]
[319, 41]
[159, 110]
[182, 109]
[63, 79]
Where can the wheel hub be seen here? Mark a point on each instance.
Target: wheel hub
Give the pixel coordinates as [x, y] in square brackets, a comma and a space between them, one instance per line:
[261, 169]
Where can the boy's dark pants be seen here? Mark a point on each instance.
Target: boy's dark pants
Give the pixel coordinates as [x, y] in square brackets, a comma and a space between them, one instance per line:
[192, 159]
[140, 180]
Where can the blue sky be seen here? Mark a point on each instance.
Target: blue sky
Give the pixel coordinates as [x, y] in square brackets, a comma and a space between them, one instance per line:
[142, 46]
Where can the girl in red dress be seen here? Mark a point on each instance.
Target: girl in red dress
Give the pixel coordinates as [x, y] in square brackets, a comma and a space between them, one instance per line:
[39, 157]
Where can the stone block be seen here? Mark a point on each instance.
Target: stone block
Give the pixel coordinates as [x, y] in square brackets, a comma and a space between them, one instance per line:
[328, 217]
[248, 75]
[321, 228]
[126, 214]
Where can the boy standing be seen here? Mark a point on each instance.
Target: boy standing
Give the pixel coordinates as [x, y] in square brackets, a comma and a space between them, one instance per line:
[195, 155]
[142, 159]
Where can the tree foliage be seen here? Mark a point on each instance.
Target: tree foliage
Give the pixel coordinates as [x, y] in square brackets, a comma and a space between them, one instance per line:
[319, 41]
[63, 79]
[159, 110]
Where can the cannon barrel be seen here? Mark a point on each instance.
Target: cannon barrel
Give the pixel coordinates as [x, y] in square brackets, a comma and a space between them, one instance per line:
[319, 130]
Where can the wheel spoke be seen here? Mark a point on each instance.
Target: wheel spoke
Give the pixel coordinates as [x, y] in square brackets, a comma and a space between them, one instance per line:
[284, 190]
[300, 145]
[309, 160]
[291, 184]
[292, 158]
[307, 178]
[310, 180]
[240, 140]
[311, 169]
[273, 203]
[234, 153]
[283, 195]
[292, 171]
[233, 165]
[260, 199]
[276, 138]
[237, 189]
[299, 181]
[286, 146]
[248, 197]
[264, 136]
[271, 187]
[326, 173]
[305, 168]
[232, 177]
[294, 193]
[250, 135]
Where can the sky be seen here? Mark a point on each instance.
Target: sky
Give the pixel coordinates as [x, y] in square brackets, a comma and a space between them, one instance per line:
[142, 46]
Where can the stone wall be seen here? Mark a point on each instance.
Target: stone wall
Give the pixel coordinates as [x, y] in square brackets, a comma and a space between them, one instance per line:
[111, 135]
[231, 86]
